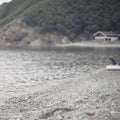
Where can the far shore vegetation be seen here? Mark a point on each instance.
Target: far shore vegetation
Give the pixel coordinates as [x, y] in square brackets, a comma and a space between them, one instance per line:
[69, 17]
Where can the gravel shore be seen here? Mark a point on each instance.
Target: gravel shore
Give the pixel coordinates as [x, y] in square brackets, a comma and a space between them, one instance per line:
[93, 97]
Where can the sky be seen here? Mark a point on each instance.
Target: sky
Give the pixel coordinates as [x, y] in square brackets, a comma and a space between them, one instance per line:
[2, 1]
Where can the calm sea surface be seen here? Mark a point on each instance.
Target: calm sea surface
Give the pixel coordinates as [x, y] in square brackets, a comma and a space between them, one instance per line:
[27, 71]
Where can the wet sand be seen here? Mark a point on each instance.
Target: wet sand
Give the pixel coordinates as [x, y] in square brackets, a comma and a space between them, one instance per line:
[96, 96]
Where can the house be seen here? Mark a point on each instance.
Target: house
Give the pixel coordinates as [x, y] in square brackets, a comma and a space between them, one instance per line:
[106, 36]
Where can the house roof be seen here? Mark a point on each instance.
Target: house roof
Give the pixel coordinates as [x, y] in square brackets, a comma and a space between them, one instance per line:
[106, 33]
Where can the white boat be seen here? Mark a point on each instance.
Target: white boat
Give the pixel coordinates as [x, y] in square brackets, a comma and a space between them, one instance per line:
[113, 67]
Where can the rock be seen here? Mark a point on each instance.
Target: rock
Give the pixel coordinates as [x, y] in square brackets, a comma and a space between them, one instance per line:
[90, 114]
[35, 43]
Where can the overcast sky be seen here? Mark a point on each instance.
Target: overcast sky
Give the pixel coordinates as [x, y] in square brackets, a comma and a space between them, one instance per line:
[2, 1]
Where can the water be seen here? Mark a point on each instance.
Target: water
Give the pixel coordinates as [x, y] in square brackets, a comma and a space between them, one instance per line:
[27, 71]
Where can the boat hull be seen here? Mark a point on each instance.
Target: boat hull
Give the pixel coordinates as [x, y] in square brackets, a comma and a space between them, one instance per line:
[113, 67]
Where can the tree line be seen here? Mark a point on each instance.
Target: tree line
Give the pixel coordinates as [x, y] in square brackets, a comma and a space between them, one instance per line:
[70, 17]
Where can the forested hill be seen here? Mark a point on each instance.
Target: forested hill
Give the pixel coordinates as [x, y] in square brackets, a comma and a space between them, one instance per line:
[70, 17]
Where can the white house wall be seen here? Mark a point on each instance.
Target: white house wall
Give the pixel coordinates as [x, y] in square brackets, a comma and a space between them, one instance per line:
[106, 38]
[114, 38]
[100, 38]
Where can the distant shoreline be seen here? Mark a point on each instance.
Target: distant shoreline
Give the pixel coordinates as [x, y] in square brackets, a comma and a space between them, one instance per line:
[82, 44]
[90, 44]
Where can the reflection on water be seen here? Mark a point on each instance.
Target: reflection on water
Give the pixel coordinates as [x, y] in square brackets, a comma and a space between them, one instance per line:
[25, 71]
